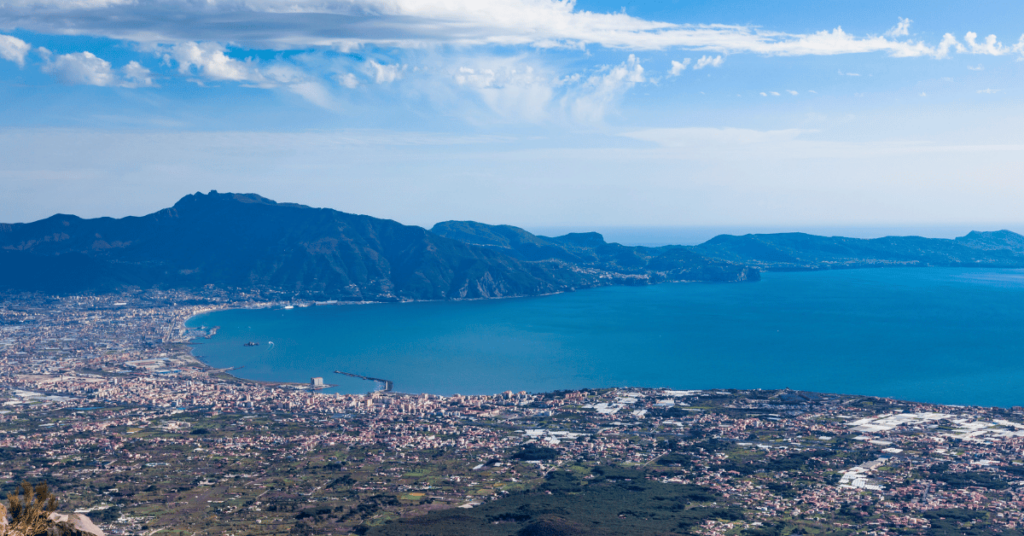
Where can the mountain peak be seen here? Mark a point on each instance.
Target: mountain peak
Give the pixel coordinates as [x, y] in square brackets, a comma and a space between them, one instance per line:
[200, 199]
[992, 240]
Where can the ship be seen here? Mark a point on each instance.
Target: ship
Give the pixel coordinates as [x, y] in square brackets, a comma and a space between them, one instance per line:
[250, 343]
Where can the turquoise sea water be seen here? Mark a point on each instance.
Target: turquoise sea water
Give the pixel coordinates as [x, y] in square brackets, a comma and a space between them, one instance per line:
[939, 335]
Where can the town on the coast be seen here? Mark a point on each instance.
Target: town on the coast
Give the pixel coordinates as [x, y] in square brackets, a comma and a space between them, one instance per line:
[103, 400]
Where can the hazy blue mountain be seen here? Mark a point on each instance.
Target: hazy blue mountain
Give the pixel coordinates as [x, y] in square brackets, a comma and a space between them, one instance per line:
[795, 251]
[993, 240]
[246, 241]
[590, 251]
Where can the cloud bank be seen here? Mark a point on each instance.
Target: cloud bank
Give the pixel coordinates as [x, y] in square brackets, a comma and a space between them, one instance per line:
[364, 44]
[346, 24]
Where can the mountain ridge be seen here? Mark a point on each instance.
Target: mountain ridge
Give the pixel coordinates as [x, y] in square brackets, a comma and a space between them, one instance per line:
[802, 251]
[590, 250]
[246, 241]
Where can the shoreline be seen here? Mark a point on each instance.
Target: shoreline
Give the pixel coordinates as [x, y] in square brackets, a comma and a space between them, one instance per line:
[903, 384]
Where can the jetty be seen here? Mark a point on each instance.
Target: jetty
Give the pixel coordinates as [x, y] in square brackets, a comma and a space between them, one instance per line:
[385, 385]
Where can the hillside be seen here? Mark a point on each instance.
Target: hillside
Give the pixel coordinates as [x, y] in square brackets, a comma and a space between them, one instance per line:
[590, 251]
[799, 251]
[245, 241]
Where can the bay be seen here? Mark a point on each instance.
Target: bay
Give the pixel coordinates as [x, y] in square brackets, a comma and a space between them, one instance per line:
[927, 334]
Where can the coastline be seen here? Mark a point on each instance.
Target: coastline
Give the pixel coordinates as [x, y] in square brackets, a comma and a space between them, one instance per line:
[499, 349]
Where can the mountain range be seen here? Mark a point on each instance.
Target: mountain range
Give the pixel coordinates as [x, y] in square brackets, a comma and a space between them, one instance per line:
[244, 241]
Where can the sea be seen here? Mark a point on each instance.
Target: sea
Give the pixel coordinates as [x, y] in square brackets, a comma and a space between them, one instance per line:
[943, 335]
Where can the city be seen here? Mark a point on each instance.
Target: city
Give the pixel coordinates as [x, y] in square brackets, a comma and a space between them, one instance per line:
[103, 400]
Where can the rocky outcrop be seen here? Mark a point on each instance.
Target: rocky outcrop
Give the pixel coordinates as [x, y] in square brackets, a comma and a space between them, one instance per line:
[72, 525]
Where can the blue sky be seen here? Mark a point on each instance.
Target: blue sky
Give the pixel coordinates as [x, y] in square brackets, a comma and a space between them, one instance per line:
[781, 115]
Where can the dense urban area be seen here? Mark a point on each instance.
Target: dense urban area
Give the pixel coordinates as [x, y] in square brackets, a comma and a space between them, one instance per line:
[103, 400]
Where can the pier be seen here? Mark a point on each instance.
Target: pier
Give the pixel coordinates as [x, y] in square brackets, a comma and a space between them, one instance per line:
[385, 385]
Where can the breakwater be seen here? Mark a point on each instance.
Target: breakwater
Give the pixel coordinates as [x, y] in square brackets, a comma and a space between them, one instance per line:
[385, 385]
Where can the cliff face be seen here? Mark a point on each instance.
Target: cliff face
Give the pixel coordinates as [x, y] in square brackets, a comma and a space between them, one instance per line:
[246, 241]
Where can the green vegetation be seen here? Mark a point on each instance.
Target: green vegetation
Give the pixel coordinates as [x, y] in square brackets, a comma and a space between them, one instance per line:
[961, 522]
[733, 468]
[566, 505]
[533, 452]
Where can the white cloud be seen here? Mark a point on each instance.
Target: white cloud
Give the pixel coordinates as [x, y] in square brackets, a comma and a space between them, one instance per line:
[511, 87]
[135, 75]
[348, 24]
[978, 68]
[763, 94]
[348, 80]
[13, 49]
[991, 46]
[923, 94]
[678, 67]
[791, 92]
[384, 74]
[597, 93]
[901, 29]
[80, 68]
[708, 61]
[773, 93]
[841, 73]
[988, 91]
[209, 60]
[85, 68]
[948, 43]
[569, 79]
